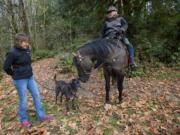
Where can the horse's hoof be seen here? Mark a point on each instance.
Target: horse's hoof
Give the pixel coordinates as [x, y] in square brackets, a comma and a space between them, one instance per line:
[119, 102]
[107, 102]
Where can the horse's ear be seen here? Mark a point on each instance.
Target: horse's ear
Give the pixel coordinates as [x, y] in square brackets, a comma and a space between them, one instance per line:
[74, 54]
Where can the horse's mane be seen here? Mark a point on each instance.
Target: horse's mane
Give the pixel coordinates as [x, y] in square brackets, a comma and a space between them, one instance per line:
[99, 47]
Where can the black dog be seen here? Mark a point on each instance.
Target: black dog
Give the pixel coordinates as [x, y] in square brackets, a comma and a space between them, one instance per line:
[66, 89]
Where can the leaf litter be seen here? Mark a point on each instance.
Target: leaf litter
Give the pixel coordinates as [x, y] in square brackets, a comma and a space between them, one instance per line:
[150, 106]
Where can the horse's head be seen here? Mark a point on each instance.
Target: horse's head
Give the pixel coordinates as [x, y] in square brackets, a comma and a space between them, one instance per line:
[84, 66]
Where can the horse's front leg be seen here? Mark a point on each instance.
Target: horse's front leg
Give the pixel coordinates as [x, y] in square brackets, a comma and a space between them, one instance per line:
[107, 85]
[120, 87]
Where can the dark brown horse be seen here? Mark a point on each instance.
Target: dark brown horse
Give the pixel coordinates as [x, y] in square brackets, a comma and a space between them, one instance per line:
[112, 57]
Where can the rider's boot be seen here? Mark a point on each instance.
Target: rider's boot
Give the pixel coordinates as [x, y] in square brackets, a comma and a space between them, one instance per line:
[132, 64]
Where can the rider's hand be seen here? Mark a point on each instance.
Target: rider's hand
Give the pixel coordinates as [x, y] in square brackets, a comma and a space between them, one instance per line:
[122, 31]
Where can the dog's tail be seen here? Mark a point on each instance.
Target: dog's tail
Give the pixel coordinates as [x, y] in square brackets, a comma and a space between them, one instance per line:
[55, 77]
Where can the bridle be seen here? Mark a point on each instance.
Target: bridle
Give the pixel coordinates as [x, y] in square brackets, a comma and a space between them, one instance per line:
[79, 58]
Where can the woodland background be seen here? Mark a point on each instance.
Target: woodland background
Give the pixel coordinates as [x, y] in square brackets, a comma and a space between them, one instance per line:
[60, 26]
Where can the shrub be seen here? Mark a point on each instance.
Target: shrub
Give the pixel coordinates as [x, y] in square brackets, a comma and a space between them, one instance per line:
[39, 54]
[64, 63]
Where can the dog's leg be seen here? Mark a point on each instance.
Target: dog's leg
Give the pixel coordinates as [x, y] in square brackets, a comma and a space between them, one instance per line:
[73, 101]
[56, 99]
[57, 93]
[67, 104]
[61, 96]
[73, 104]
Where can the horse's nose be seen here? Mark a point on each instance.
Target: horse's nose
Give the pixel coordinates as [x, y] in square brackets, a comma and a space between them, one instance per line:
[83, 79]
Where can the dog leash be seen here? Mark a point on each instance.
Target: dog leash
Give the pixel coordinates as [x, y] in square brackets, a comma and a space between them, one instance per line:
[44, 85]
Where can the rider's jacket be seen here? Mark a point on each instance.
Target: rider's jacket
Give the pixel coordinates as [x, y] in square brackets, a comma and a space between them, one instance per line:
[114, 27]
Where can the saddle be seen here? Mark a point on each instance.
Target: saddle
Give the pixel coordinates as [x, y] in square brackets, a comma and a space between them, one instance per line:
[118, 40]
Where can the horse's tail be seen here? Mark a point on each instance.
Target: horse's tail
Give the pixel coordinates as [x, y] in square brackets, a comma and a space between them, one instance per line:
[114, 80]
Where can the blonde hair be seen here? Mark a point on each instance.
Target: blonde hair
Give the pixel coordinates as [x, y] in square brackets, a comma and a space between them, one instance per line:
[19, 38]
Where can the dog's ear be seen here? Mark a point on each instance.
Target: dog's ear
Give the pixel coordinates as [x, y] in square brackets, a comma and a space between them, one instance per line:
[73, 80]
[77, 80]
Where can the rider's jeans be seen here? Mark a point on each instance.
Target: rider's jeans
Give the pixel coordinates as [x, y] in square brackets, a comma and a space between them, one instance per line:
[130, 49]
[22, 87]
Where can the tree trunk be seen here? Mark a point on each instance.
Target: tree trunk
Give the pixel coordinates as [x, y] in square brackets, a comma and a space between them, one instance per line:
[24, 19]
[44, 22]
[10, 15]
[12, 19]
[120, 7]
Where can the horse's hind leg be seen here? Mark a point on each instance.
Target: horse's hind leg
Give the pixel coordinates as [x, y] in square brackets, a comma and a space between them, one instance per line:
[107, 85]
[120, 87]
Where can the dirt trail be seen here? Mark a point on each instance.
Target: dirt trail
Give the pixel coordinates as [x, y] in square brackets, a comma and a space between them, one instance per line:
[151, 87]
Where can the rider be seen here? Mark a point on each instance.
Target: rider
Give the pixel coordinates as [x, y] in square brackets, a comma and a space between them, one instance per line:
[114, 27]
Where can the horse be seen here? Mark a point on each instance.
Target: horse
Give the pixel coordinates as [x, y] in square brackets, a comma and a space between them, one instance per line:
[105, 53]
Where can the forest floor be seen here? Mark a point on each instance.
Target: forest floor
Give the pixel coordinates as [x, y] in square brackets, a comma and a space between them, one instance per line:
[151, 106]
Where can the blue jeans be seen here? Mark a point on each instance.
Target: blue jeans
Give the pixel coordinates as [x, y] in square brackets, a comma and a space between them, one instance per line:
[22, 87]
[130, 49]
